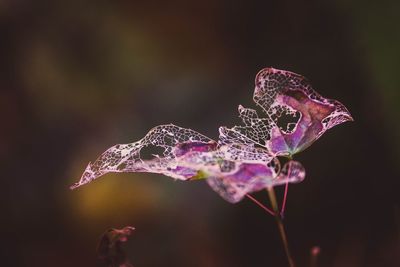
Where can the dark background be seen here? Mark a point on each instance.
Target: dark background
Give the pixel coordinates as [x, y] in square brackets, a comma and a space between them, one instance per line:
[79, 76]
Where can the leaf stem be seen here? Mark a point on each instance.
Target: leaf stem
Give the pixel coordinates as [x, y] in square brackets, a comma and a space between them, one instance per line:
[260, 205]
[284, 199]
[278, 219]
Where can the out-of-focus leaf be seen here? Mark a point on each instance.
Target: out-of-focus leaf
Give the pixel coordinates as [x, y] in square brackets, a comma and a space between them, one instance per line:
[110, 249]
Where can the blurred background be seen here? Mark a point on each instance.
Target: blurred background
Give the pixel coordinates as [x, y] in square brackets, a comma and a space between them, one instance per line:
[79, 76]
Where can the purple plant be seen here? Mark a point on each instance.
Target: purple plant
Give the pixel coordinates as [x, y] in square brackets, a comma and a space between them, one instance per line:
[245, 158]
[233, 170]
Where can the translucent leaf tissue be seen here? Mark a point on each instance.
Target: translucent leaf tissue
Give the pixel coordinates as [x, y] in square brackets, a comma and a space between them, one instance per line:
[244, 159]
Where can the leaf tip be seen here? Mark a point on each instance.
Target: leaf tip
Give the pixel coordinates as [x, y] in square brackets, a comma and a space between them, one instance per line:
[87, 177]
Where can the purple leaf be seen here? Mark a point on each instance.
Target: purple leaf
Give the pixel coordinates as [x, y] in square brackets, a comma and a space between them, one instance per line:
[296, 115]
[244, 158]
[186, 155]
[249, 178]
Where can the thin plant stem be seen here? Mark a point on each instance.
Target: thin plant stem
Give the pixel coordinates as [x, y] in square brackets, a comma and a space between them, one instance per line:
[278, 219]
[260, 205]
[285, 194]
[284, 199]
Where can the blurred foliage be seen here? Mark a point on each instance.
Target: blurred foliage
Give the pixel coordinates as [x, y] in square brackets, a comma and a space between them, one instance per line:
[375, 29]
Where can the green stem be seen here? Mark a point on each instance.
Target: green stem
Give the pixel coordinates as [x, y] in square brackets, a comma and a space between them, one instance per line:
[278, 219]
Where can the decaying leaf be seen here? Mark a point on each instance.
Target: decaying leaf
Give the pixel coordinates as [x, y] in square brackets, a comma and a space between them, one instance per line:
[296, 115]
[244, 158]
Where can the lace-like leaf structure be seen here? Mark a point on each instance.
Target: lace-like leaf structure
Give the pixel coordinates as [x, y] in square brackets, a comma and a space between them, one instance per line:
[244, 159]
[173, 140]
[232, 169]
[296, 115]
